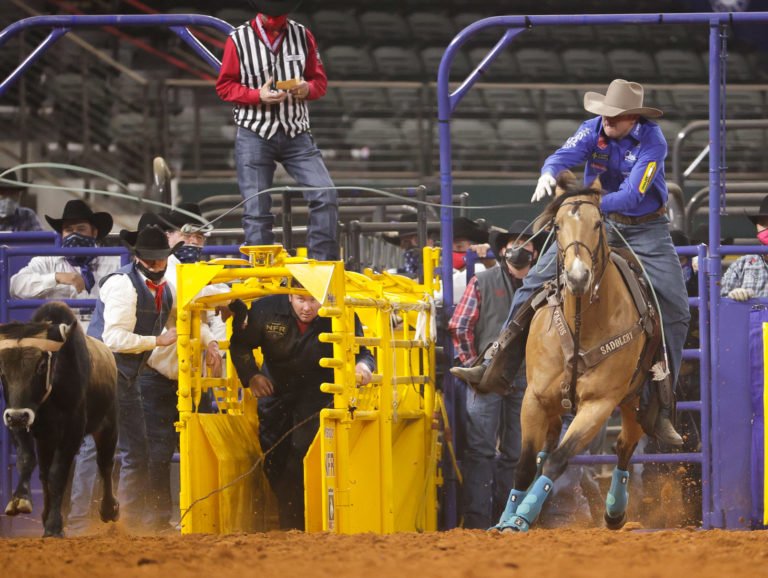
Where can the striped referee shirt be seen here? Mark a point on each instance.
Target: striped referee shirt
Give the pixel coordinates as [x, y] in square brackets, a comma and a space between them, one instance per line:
[248, 63]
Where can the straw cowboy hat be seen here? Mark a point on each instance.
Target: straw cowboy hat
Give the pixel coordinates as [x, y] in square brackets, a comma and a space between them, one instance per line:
[149, 243]
[77, 210]
[622, 97]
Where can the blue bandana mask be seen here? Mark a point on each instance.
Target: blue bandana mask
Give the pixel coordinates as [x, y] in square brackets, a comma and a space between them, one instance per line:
[82, 262]
[189, 254]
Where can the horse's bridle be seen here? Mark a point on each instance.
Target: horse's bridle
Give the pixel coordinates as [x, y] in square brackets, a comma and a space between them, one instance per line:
[600, 244]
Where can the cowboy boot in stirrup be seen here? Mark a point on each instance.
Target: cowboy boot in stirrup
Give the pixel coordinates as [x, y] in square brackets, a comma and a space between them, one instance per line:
[663, 429]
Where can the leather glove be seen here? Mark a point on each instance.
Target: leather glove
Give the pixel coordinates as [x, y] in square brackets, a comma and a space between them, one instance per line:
[544, 188]
[741, 294]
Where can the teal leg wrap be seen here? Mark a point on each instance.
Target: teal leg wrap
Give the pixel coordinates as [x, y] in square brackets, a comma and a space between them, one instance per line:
[541, 457]
[515, 497]
[616, 501]
[530, 508]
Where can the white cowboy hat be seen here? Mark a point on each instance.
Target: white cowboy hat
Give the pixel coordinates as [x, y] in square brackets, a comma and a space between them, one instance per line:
[622, 97]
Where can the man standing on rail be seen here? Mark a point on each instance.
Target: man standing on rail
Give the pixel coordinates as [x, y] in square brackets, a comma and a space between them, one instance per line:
[626, 151]
[270, 69]
[286, 328]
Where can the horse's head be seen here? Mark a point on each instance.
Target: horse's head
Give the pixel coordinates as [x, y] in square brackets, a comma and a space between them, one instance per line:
[579, 227]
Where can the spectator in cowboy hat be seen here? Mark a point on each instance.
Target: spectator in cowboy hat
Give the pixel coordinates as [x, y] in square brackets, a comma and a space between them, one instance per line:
[73, 277]
[468, 235]
[747, 277]
[408, 241]
[13, 217]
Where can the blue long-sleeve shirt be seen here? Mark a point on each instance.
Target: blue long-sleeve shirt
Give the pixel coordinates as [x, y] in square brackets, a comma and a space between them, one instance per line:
[631, 170]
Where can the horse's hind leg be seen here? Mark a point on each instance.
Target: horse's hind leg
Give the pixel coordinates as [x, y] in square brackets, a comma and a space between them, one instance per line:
[616, 500]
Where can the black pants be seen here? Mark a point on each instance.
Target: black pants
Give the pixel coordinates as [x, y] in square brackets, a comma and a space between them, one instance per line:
[283, 462]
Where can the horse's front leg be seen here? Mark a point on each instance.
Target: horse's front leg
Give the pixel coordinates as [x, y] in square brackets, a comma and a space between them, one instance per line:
[21, 503]
[618, 495]
[585, 425]
[536, 429]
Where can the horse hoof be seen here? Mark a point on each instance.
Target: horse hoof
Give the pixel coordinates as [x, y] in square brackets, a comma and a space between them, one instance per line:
[109, 514]
[18, 506]
[48, 534]
[615, 523]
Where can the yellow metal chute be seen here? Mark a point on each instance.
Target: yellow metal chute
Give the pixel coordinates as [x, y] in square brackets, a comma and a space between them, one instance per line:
[373, 464]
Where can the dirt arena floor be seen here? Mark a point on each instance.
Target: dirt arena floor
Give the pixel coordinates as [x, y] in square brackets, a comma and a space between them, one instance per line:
[589, 553]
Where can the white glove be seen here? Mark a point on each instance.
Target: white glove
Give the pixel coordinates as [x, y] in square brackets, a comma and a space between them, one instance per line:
[544, 188]
[741, 294]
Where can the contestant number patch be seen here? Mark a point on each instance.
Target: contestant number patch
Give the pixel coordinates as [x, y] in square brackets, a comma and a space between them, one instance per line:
[650, 170]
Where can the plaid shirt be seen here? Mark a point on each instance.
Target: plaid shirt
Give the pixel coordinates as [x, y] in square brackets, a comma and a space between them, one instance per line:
[463, 322]
[23, 219]
[747, 272]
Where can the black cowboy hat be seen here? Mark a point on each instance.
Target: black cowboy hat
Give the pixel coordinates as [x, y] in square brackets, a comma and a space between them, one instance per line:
[466, 228]
[175, 220]
[77, 210]
[499, 239]
[149, 243]
[11, 176]
[679, 239]
[762, 212]
[274, 7]
[149, 218]
[395, 238]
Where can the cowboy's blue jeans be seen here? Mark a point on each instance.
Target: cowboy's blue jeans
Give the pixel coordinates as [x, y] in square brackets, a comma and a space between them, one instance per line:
[493, 425]
[653, 244]
[257, 159]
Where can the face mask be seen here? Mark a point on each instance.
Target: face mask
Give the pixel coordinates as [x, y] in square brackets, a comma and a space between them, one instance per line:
[75, 240]
[154, 276]
[8, 206]
[189, 254]
[762, 236]
[519, 257]
[459, 260]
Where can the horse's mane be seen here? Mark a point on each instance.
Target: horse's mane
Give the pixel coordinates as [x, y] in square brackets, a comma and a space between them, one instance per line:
[566, 181]
[17, 330]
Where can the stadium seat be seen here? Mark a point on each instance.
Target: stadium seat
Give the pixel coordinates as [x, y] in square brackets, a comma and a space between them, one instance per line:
[336, 26]
[384, 27]
[373, 133]
[585, 64]
[745, 103]
[365, 99]
[560, 102]
[431, 28]
[558, 130]
[431, 57]
[573, 36]
[504, 101]
[616, 37]
[540, 65]
[503, 68]
[736, 67]
[520, 132]
[397, 62]
[330, 104]
[409, 99]
[677, 65]
[632, 64]
[692, 103]
[473, 103]
[419, 128]
[348, 62]
[489, 36]
[669, 128]
[473, 133]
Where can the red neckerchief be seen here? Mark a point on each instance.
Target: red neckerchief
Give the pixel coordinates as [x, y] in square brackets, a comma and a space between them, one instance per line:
[272, 34]
[158, 288]
[302, 326]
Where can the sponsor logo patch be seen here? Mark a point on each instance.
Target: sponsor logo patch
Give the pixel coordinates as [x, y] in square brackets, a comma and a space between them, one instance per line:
[650, 170]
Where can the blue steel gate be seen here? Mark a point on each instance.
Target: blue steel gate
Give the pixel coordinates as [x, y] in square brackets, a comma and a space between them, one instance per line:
[723, 501]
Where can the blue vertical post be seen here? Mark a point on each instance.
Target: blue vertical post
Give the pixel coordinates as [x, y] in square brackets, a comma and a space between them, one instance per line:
[5, 450]
[716, 165]
[705, 391]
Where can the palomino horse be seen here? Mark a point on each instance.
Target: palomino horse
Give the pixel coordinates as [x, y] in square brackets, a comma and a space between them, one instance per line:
[583, 351]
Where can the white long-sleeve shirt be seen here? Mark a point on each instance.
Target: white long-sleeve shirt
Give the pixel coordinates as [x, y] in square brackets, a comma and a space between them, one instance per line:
[38, 281]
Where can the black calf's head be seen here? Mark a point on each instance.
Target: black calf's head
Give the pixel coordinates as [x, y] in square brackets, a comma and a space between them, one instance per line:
[26, 352]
